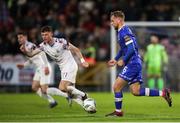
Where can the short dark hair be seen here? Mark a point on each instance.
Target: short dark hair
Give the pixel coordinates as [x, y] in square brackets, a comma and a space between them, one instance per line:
[22, 33]
[46, 29]
[118, 14]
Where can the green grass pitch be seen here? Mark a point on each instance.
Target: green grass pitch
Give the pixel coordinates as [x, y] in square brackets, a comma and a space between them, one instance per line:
[30, 107]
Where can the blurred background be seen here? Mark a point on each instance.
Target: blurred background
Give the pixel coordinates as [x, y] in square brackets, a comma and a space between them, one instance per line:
[86, 24]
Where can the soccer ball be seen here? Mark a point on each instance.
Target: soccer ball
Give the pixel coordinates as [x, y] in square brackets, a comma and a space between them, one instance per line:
[89, 105]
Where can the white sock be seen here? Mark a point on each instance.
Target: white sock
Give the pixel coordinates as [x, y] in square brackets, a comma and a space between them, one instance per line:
[45, 96]
[160, 93]
[118, 110]
[78, 100]
[48, 97]
[39, 92]
[75, 91]
[55, 91]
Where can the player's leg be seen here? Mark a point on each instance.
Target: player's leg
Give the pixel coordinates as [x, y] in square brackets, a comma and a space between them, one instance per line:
[39, 90]
[160, 81]
[45, 80]
[151, 82]
[52, 102]
[118, 96]
[36, 83]
[151, 78]
[44, 83]
[73, 93]
[137, 90]
[35, 86]
[68, 83]
[55, 91]
[135, 72]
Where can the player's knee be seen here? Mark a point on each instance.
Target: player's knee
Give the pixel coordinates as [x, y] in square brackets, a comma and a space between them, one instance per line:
[44, 90]
[116, 88]
[62, 88]
[135, 92]
[34, 88]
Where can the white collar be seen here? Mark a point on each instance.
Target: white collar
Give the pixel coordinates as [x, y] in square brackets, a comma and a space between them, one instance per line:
[121, 27]
[52, 43]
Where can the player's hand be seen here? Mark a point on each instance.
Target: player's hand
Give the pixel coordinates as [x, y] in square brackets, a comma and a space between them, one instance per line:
[85, 64]
[20, 66]
[46, 70]
[112, 62]
[120, 63]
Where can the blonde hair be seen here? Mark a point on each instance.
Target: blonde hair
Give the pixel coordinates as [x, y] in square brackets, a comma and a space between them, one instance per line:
[118, 14]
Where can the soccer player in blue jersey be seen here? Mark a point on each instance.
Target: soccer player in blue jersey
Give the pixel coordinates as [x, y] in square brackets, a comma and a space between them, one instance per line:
[129, 58]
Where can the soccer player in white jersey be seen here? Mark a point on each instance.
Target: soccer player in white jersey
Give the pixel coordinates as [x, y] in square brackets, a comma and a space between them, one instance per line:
[41, 78]
[59, 49]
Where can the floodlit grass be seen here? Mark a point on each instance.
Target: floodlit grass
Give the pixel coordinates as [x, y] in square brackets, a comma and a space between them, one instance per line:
[30, 107]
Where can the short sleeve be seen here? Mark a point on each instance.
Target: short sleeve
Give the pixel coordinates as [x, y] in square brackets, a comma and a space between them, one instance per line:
[64, 42]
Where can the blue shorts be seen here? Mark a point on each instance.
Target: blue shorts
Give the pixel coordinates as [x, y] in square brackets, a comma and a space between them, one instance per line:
[132, 73]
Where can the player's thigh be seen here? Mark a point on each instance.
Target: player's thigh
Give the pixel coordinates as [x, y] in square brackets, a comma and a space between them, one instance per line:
[150, 71]
[119, 84]
[44, 79]
[67, 78]
[134, 88]
[154, 71]
[36, 80]
[35, 85]
[157, 71]
[69, 72]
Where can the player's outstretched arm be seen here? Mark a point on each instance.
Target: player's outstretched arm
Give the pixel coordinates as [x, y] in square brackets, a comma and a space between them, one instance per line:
[34, 52]
[22, 65]
[78, 53]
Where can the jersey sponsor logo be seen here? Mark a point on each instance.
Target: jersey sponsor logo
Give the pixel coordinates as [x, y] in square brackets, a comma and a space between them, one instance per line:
[127, 38]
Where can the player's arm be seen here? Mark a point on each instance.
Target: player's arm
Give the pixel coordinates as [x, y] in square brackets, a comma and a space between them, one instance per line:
[78, 53]
[32, 50]
[113, 62]
[35, 52]
[130, 51]
[118, 56]
[25, 64]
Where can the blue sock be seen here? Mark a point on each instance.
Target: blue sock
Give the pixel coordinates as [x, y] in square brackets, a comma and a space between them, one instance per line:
[118, 101]
[149, 92]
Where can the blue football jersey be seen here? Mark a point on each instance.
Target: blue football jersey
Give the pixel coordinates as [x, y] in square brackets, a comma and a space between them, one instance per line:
[132, 71]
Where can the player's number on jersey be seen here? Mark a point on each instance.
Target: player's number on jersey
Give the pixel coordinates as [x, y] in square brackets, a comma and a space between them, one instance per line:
[125, 69]
[65, 74]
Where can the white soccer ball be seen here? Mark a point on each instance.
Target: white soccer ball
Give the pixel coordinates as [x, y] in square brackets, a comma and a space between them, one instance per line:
[89, 105]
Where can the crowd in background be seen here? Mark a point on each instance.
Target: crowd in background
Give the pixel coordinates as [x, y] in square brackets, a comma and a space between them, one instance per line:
[85, 23]
[82, 21]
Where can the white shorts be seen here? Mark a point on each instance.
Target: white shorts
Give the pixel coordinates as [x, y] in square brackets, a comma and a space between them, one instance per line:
[69, 72]
[41, 77]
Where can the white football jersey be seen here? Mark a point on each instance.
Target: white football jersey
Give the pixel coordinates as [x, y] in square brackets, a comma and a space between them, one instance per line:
[60, 53]
[39, 60]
